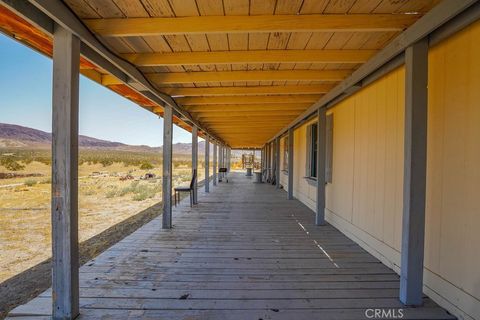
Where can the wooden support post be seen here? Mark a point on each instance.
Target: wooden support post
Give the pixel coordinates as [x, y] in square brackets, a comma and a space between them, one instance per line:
[66, 60]
[265, 157]
[268, 161]
[229, 158]
[321, 158]
[167, 167]
[262, 159]
[414, 173]
[277, 162]
[290, 164]
[207, 164]
[220, 164]
[215, 163]
[195, 161]
[274, 158]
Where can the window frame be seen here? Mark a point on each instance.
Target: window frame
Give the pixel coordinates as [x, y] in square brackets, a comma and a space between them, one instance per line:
[312, 149]
[285, 154]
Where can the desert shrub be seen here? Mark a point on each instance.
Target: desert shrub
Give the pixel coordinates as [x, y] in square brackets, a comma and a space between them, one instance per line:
[11, 164]
[140, 196]
[134, 185]
[111, 193]
[30, 182]
[130, 189]
[27, 160]
[122, 192]
[146, 165]
[46, 181]
[143, 192]
[106, 162]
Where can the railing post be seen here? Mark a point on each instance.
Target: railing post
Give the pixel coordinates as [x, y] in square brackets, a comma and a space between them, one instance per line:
[207, 164]
[414, 173]
[215, 163]
[167, 167]
[195, 162]
[65, 284]
[290, 164]
[321, 158]
[277, 162]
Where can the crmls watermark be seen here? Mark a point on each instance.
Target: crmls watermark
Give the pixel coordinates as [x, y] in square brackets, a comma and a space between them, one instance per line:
[380, 313]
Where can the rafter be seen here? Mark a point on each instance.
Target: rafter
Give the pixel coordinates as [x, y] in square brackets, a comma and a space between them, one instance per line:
[233, 114]
[247, 107]
[220, 126]
[240, 130]
[233, 76]
[250, 56]
[121, 27]
[256, 90]
[251, 119]
[294, 99]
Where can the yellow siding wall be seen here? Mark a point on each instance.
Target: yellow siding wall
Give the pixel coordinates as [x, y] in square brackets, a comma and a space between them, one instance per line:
[365, 196]
[364, 199]
[453, 185]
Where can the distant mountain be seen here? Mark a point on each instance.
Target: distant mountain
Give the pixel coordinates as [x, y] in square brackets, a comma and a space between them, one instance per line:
[15, 136]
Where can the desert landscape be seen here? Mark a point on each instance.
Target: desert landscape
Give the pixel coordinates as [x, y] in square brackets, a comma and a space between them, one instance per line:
[116, 181]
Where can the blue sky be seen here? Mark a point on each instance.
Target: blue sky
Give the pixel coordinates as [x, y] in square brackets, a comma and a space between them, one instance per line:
[25, 99]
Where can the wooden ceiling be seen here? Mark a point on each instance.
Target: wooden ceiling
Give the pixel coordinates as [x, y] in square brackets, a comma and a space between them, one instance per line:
[246, 68]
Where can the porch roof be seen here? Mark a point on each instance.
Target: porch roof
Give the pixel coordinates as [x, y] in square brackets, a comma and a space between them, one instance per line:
[240, 70]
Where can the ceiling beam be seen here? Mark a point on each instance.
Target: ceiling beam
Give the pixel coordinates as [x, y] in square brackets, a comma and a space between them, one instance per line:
[254, 90]
[252, 119]
[121, 27]
[247, 107]
[248, 99]
[233, 76]
[44, 14]
[250, 56]
[274, 75]
[221, 126]
[432, 20]
[240, 130]
[233, 114]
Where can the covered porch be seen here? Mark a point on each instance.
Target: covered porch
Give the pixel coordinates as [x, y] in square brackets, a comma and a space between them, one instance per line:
[273, 75]
[244, 252]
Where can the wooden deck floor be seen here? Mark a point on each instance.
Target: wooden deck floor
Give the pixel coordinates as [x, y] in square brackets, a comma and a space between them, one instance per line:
[245, 252]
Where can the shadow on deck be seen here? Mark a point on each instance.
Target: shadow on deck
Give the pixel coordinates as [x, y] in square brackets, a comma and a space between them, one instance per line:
[244, 252]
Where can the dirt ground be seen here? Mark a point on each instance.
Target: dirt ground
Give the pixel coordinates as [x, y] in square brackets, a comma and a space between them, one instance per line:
[107, 196]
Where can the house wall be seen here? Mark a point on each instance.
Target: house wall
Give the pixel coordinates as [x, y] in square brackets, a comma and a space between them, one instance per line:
[364, 200]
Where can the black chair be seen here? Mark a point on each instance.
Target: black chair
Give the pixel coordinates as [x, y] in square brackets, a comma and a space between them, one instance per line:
[186, 189]
[225, 172]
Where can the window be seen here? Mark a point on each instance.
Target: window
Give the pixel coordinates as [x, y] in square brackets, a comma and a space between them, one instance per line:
[312, 147]
[285, 154]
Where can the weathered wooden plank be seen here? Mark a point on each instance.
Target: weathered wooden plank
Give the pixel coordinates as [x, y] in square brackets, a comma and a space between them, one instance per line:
[215, 163]
[66, 60]
[207, 164]
[195, 162]
[245, 251]
[321, 160]
[414, 172]
[167, 167]
[290, 164]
